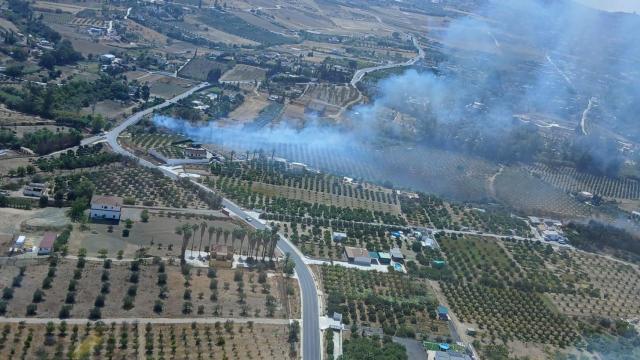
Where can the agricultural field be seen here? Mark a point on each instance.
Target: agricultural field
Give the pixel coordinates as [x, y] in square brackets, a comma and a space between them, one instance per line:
[538, 198]
[156, 236]
[199, 67]
[141, 185]
[232, 24]
[56, 18]
[314, 239]
[569, 179]
[332, 94]
[89, 289]
[608, 288]
[507, 292]
[466, 176]
[400, 305]
[127, 340]
[243, 73]
[272, 179]
[168, 87]
[146, 141]
[509, 314]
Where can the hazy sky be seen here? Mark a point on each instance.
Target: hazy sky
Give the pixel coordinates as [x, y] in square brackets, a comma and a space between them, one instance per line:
[614, 5]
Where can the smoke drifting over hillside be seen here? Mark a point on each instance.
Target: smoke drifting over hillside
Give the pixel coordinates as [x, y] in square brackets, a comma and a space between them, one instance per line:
[529, 56]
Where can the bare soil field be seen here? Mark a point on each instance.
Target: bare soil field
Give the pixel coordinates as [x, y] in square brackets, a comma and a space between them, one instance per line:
[130, 340]
[249, 109]
[16, 220]
[331, 94]
[244, 73]
[110, 109]
[184, 296]
[8, 25]
[53, 6]
[146, 34]
[82, 42]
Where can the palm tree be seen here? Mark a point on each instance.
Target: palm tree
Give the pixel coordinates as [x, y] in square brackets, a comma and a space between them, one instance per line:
[203, 228]
[252, 242]
[235, 236]
[274, 242]
[194, 229]
[185, 231]
[218, 234]
[211, 231]
[242, 233]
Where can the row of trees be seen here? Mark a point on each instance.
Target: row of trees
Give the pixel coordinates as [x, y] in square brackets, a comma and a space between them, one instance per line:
[261, 243]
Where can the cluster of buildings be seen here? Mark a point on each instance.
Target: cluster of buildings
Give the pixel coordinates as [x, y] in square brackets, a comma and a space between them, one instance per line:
[22, 244]
[549, 229]
[363, 257]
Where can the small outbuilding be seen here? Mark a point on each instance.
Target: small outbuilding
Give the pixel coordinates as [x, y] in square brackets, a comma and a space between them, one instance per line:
[384, 258]
[46, 244]
[397, 255]
[443, 312]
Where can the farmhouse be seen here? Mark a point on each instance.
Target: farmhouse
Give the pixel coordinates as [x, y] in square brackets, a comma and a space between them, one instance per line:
[105, 207]
[195, 153]
[46, 244]
[357, 256]
[35, 189]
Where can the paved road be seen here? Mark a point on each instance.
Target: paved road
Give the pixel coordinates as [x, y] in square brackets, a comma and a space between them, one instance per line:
[362, 72]
[310, 337]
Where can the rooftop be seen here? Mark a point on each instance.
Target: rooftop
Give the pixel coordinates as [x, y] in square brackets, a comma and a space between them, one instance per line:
[353, 252]
[106, 200]
[48, 239]
[395, 252]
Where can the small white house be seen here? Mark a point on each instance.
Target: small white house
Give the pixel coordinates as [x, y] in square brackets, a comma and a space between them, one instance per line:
[35, 189]
[105, 207]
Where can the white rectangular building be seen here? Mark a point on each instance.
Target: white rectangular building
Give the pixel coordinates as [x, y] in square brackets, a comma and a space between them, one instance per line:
[105, 207]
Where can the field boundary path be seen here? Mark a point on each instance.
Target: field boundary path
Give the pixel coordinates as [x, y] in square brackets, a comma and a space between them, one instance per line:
[206, 320]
